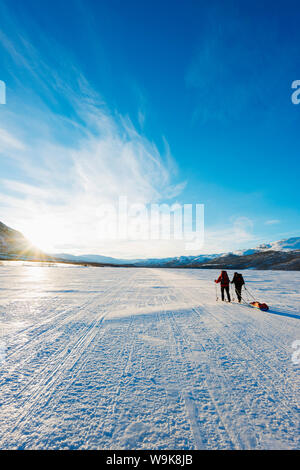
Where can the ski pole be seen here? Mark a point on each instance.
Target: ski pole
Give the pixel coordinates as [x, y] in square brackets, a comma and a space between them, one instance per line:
[217, 298]
[232, 292]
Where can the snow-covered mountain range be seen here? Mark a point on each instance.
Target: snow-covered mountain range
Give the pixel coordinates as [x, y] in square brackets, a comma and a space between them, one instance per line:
[283, 252]
[91, 259]
[287, 244]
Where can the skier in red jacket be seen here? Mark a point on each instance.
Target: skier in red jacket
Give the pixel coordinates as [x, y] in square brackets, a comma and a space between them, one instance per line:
[224, 280]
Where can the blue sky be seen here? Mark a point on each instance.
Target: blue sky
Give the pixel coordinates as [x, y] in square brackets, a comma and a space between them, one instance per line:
[162, 101]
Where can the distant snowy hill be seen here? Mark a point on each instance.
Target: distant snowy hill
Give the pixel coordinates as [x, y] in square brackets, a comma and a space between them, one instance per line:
[265, 259]
[10, 239]
[242, 252]
[287, 244]
[90, 258]
[181, 261]
[14, 245]
[177, 261]
[282, 254]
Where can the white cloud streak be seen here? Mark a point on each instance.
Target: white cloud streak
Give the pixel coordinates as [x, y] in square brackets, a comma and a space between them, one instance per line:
[67, 167]
[272, 222]
[8, 142]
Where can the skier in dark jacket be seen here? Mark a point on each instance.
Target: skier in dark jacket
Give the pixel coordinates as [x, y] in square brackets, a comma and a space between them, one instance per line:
[238, 282]
[224, 280]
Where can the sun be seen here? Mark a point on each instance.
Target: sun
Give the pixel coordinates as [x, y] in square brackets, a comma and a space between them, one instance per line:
[41, 233]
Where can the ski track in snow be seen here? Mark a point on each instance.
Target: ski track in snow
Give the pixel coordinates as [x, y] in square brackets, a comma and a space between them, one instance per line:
[125, 358]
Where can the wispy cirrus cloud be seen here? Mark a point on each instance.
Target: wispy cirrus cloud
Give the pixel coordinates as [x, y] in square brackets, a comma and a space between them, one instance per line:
[9, 141]
[272, 222]
[67, 184]
[69, 152]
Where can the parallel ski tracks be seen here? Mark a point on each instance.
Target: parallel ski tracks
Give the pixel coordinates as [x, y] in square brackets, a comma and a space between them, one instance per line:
[256, 364]
[225, 392]
[42, 386]
[227, 439]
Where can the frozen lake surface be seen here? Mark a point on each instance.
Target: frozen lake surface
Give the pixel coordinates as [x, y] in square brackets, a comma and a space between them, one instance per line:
[124, 358]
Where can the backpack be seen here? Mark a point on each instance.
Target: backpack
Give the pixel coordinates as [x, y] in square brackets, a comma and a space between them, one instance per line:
[225, 278]
[239, 279]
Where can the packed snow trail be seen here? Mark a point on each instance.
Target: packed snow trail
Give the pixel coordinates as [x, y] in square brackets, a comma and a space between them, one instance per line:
[125, 358]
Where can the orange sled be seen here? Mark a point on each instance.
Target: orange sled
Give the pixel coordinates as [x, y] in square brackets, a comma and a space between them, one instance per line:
[263, 307]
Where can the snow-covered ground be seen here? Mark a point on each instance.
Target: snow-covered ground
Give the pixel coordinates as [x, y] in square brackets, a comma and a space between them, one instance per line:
[117, 358]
